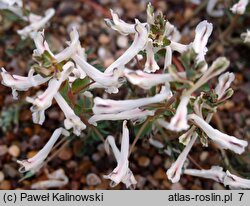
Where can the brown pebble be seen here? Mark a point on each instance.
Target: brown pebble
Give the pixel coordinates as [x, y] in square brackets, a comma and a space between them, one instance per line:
[104, 39]
[14, 150]
[31, 154]
[65, 154]
[5, 185]
[1, 176]
[3, 150]
[92, 179]
[143, 161]
[160, 174]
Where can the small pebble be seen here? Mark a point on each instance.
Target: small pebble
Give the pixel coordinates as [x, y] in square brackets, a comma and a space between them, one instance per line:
[122, 42]
[1, 176]
[14, 150]
[3, 150]
[204, 156]
[65, 154]
[92, 179]
[104, 39]
[143, 161]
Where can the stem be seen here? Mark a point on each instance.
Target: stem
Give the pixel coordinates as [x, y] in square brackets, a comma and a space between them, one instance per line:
[83, 87]
[138, 135]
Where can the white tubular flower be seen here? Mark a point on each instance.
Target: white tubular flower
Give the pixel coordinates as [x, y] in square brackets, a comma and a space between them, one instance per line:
[179, 120]
[202, 33]
[19, 3]
[235, 182]
[56, 179]
[223, 140]
[121, 173]
[168, 57]
[150, 65]
[43, 101]
[34, 27]
[175, 171]
[225, 81]
[71, 49]
[103, 80]
[109, 106]
[41, 44]
[171, 32]
[141, 38]
[20, 83]
[35, 163]
[211, 9]
[240, 7]
[215, 173]
[246, 36]
[134, 114]
[72, 120]
[14, 6]
[119, 25]
[146, 81]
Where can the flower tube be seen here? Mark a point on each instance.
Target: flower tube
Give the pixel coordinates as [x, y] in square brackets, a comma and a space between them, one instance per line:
[43, 101]
[55, 180]
[146, 81]
[35, 163]
[179, 120]
[240, 7]
[134, 114]
[71, 49]
[20, 83]
[71, 121]
[215, 173]
[223, 140]
[212, 11]
[119, 25]
[235, 182]
[175, 171]
[141, 38]
[246, 36]
[109, 106]
[121, 173]
[31, 29]
[150, 65]
[202, 33]
[225, 81]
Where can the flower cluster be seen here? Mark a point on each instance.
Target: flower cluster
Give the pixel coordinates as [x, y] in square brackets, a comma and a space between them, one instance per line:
[173, 89]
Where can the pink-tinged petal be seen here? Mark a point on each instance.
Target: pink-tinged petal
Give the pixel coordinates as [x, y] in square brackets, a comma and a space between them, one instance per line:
[109, 106]
[141, 38]
[223, 140]
[212, 11]
[235, 182]
[146, 81]
[119, 25]
[215, 173]
[202, 33]
[175, 171]
[179, 121]
[71, 121]
[35, 163]
[56, 179]
[20, 83]
[134, 114]
[240, 7]
[34, 27]
[44, 100]
[150, 65]
[225, 81]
